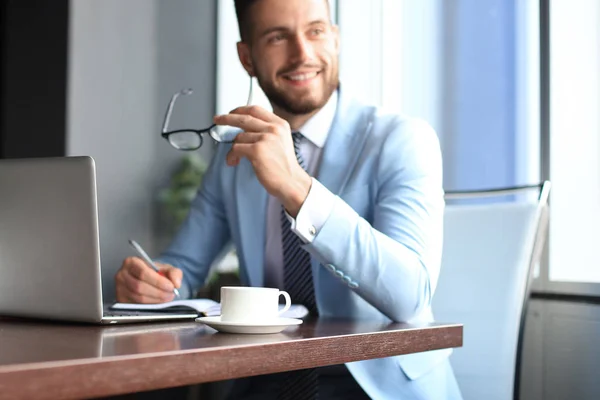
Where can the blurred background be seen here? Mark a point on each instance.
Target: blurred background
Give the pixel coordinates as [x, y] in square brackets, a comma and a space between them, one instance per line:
[512, 87]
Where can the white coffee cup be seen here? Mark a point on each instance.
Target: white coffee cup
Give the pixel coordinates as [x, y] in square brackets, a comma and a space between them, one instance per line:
[251, 304]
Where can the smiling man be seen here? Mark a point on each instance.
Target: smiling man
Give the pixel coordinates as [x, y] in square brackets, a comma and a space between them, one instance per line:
[334, 201]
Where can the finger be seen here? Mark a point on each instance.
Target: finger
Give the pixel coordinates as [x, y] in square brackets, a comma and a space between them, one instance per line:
[257, 112]
[239, 150]
[139, 270]
[249, 137]
[127, 291]
[233, 162]
[231, 159]
[175, 275]
[120, 291]
[245, 122]
[244, 137]
[139, 289]
[141, 299]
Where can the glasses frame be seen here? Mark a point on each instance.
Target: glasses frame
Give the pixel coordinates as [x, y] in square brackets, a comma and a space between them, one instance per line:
[167, 135]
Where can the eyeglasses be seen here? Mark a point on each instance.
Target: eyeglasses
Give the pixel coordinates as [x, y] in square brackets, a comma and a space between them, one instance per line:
[192, 139]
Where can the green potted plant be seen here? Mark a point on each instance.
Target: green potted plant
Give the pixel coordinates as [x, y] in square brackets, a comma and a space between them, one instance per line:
[176, 199]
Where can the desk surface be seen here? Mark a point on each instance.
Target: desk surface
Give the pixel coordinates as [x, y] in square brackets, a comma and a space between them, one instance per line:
[52, 360]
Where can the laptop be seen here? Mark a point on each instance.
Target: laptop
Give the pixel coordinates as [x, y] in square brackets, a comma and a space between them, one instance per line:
[49, 244]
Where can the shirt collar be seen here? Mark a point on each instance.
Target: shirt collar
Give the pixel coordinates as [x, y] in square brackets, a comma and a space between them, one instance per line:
[317, 127]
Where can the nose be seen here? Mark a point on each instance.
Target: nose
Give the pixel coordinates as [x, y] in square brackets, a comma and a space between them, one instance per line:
[301, 49]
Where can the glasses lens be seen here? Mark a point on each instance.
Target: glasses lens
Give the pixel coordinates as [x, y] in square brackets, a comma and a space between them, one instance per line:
[185, 140]
[223, 134]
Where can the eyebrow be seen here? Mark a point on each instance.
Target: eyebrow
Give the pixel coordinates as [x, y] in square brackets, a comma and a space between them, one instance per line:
[272, 29]
[283, 28]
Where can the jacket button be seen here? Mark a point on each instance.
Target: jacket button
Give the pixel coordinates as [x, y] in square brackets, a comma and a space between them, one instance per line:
[353, 285]
[340, 274]
[330, 267]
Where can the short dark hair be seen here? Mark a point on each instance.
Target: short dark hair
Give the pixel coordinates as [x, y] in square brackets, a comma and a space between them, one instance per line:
[242, 8]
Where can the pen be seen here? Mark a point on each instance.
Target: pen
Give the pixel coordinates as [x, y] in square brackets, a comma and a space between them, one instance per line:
[148, 260]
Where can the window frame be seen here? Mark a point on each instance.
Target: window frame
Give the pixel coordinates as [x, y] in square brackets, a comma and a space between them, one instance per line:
[542, 286]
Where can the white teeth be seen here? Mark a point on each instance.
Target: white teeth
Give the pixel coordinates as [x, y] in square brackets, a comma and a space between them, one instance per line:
[302, 77]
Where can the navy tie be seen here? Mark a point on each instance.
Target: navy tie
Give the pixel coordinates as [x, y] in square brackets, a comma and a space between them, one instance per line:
[297, 271]
[298, 282]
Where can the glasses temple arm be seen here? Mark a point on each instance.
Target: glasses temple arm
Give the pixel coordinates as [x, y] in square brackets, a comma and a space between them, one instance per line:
[250, 92]
[184, 92]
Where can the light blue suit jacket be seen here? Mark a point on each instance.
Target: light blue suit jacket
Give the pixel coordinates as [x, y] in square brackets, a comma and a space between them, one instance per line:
[377, 257]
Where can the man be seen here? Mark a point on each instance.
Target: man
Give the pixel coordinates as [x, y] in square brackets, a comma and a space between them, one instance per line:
[366, 213]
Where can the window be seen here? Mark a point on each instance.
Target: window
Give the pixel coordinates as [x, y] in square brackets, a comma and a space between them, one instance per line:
[574, 145]
[470, 69]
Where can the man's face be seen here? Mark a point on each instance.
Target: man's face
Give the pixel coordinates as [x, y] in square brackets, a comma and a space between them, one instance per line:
[292, 49]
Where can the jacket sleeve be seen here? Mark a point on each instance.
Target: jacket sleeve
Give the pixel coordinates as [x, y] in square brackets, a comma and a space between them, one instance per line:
[394, 261]
[204, 233]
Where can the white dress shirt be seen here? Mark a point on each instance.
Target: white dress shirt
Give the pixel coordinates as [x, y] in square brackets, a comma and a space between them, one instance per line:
[318, 203]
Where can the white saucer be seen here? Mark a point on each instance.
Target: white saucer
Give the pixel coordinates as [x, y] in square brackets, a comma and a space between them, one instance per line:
[273, 326]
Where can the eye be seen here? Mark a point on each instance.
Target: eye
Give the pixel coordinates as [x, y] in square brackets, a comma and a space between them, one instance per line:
[317, 31]
[276, 38]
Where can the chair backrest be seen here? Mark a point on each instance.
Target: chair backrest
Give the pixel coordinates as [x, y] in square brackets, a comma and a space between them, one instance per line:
[489, 253]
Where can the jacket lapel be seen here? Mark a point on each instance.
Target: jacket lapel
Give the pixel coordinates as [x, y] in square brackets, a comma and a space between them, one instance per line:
[343, 145]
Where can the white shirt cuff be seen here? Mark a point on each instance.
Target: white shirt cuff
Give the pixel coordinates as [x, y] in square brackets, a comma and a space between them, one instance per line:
[314, 212]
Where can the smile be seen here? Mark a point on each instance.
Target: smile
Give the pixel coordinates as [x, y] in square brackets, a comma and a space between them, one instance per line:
[301, 77]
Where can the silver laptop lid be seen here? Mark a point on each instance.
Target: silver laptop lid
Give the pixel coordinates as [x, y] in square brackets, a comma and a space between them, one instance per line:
[49, 249]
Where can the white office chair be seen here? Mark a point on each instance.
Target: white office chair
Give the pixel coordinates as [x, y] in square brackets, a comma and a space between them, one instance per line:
[490, 252]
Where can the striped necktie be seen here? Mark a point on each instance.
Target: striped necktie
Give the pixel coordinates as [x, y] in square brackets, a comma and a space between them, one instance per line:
[297, 270]
[298, 282]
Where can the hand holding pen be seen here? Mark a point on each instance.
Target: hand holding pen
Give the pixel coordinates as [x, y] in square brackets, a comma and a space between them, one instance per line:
[149, 261]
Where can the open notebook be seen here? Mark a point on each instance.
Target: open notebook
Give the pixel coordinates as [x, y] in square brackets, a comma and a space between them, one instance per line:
[205, 307]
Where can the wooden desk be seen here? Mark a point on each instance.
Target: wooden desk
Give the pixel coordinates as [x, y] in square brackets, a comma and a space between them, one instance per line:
[52, 360]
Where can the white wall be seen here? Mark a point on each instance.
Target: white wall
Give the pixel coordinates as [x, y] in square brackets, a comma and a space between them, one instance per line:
[126, 58]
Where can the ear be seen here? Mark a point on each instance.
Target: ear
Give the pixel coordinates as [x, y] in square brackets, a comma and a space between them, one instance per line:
[244, 55]
[336, 37]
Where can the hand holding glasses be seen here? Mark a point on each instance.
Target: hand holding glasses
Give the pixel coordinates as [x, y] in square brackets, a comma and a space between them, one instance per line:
[191, 139]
